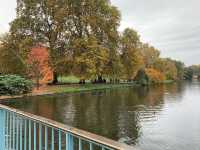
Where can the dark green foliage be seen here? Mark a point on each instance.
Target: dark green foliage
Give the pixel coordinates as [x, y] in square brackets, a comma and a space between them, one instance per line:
[14, 85]
[188, 74]
[142, 78]
[180, 69]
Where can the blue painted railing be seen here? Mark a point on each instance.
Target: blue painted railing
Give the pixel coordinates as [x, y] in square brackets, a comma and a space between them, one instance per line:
[24, 131]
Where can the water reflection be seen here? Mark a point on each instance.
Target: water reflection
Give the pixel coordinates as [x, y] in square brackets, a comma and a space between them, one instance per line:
[137, 116]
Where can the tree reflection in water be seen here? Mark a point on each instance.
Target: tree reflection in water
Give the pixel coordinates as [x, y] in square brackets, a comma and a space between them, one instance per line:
[118, 114]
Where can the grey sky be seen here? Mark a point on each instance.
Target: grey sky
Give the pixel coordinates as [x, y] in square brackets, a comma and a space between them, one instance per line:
[172, 26]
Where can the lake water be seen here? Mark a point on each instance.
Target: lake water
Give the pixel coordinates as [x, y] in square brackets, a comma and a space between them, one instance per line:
[165, 117]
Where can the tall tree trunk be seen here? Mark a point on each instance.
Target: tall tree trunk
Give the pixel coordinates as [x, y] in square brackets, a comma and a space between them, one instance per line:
[38, 83]
[82, 81]
[100, 79]
[55, 78]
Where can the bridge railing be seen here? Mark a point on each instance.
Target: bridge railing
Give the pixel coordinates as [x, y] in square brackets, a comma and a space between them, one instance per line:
[24, 131]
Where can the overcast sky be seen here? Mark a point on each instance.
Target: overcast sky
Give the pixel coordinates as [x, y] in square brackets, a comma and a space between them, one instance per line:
[172, 26]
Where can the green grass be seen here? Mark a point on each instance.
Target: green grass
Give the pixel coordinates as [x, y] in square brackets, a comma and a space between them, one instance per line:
[168, 81]
[88, 87]
[69, 79]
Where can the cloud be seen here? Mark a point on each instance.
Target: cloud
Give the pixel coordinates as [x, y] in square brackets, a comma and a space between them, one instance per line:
[173, 26]
[7, 14]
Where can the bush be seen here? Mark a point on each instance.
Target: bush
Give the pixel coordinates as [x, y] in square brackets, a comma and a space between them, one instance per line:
[142, 78]
[14, 85]
[149, 76]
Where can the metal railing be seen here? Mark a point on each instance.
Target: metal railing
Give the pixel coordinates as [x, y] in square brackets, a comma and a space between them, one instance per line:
[24, 131]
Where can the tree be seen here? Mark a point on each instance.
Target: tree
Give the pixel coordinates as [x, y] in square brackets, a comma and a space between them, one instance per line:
[58, 24]
[188, 73]
[114, 67]
[130, 53]
[90, 59]
[167, 67]
[150, 54]
[45, 22]
[11, 61]
[97, 20]
[154, 75]
[180, 69]
[38, 64]
[142, 77]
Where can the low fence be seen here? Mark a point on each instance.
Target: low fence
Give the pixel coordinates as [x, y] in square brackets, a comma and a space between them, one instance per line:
[24, 131]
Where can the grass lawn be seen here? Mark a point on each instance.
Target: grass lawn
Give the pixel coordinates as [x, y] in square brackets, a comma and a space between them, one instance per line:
[69, 79]
[86, 87]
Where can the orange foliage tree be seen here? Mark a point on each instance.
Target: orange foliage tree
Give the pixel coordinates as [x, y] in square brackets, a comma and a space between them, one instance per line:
[38, 65]
[154, 75]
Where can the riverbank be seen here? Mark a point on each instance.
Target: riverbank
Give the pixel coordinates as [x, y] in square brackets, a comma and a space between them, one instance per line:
[73, 88]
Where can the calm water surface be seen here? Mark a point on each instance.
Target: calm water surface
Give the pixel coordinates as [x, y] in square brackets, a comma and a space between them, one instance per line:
[155, 118]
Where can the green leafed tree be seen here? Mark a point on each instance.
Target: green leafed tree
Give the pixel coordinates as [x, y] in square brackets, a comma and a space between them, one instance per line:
[180, 69]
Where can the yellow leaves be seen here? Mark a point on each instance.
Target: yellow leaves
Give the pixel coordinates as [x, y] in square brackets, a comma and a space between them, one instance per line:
[167, 67]
[90, 58]
[154, 75]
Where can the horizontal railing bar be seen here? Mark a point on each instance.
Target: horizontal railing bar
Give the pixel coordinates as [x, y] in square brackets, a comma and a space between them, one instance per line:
[108, 143]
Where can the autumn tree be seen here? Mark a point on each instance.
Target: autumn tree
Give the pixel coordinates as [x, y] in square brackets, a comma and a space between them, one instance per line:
[38, 65]
[167, 67]
[46, 22]
[11, 60]
[90, 60]
[130, 53]
[114, 67]
[154, 75]
[59, 24]
[150, 54]
[97, 21]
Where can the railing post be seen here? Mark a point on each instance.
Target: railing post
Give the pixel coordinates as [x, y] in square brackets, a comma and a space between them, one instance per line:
[17, 133]
[10, 133]
[20, 127]
[59, 140]
[34, 137]
[14, 134]
[29, 134]
[69, 142]
[7, 130]
[25, 132]
[80, 144]
[2, 129]
[52, 139]
[46, 138]
[40, 136]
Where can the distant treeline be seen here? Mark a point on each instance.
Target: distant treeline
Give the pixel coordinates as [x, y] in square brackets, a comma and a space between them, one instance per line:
[192, 72]
[82, 39]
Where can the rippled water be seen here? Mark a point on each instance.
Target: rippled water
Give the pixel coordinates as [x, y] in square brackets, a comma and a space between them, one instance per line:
[150, 118]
